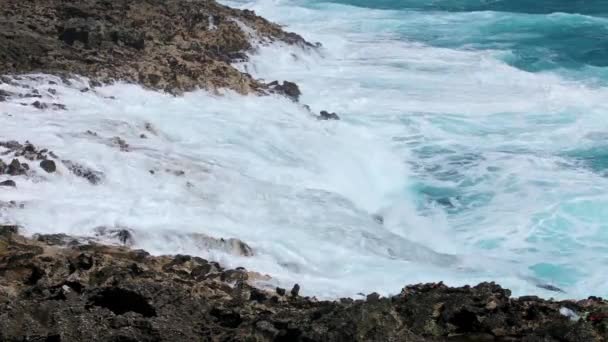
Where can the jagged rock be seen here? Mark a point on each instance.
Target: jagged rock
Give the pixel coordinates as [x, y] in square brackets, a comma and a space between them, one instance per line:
[295, 291]
[289, 89]
[173, 45]
[40, 105]
[4, 95]
[8, 183]
[16, 168]
[324, 115]
[94, 177]
[48, 166]
[122, 235]
[90, 292]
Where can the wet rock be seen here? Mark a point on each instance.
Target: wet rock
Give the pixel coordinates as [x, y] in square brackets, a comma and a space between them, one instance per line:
[5, 95]
[325, 115]
[122, 235]
[8, 183]
[16, 168]
[59, 106]
[121, 143]
[167, 45]
[94, 177]
[8, 230]
[280, 291]
[288, 89]
[48, 166]
[122, 292]
[295, 291]
[40, 105]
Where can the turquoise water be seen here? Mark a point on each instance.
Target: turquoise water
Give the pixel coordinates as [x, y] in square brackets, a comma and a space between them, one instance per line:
[498, 110]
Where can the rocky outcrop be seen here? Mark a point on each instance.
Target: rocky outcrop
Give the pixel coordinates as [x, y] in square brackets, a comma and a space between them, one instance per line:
[173, 45]
[83, 291]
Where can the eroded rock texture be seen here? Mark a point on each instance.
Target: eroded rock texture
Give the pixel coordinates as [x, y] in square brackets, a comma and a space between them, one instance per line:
[174, 45]
[53, 288]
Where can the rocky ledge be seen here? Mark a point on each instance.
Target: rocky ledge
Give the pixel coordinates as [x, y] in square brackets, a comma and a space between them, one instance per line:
[173, 45]
[53, 288]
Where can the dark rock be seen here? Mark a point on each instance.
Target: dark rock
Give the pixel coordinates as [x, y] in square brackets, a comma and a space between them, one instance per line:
[550, 288]
[94, 177]
[280, 291]
[8, 230]
[289, 89]
[295, 290]
[8, 183]
[15, 168]
[40, 105]
[122, 292]
[373, 297]
[5, 95]
[122, 235]
[48, 166]
[324, 115]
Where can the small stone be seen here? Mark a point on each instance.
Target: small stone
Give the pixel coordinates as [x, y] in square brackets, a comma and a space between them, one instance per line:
[295, 290]
[325, 115]
[280, 291]
[40, 105]
[143, 136]
[48, 166]
[8, 183]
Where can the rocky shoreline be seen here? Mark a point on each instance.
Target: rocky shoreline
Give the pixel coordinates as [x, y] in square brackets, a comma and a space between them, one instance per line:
[170, 45]
[70, 288]
[59, 288]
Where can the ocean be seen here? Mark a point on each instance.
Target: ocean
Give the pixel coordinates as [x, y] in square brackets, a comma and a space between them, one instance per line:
[476, 129]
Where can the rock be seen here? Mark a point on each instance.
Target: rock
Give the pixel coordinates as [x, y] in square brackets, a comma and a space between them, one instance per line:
[288, 89]
[280, 291]
[5, 95]
[169, 45]
[378, 218]
[48, 166]
[94, 177]
[122, 235]
[16, 168]
[8, 183]
[295, 290]
[7, 230]
[40, 105]
[324, 115]
[95, 292]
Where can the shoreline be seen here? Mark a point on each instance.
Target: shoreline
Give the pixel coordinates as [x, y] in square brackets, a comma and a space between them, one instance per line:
[67, 288]
[55, 287]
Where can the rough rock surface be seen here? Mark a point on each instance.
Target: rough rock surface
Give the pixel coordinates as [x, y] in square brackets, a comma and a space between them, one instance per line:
[174, 45]
[50, 291]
